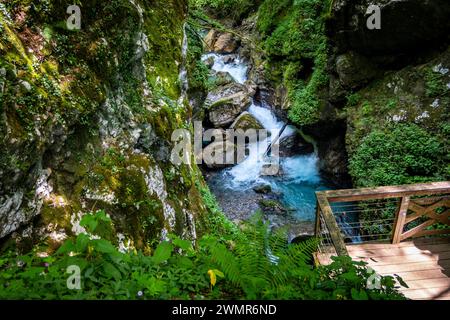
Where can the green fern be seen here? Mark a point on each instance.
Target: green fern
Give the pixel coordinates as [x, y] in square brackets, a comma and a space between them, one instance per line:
[262, 263]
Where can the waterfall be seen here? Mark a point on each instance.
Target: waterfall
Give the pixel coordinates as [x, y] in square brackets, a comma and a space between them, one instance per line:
[183, 78]
[300, 174]
[237, 69]
[248, 172]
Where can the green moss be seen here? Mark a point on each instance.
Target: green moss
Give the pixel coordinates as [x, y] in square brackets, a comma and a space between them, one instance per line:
[434, 83]
[164, 28]
[61, 86]
[294, 39]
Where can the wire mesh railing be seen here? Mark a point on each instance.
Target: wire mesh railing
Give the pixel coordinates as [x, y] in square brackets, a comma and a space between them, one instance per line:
[384, 214]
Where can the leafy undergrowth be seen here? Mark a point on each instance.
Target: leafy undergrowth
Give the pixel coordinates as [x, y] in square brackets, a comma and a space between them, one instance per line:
[252, 264]
[400, 154]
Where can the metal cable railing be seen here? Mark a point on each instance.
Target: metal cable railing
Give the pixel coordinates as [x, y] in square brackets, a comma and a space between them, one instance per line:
[384, 214]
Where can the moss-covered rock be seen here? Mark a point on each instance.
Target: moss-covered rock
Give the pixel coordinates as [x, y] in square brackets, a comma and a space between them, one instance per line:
[246, 121]
[87, 116]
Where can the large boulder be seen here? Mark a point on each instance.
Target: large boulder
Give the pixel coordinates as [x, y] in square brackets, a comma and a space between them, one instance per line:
[245, 122]
[226, 43]
[224, 112]
[226, 103]
[354, 70]
[221, 42]
[210, 39]
[219, 155]
[222, 78]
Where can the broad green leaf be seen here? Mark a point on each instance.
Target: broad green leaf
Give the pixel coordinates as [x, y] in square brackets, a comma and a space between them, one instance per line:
[182, 244]
[111, 271]
[89, 222]
[82, 242]
[103, 246]
[162, 252]
[67, 247]
[219, 273]
[359, 295]
[184, 262]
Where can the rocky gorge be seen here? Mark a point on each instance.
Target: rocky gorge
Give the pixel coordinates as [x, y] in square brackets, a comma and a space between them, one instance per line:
[172, 149]
[370, 83]
[87, 116]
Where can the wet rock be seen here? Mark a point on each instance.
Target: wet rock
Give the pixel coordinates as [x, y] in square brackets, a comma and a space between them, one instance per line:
[209, 62]
[221, 42]
[294, 145]
[355, 70]
[222, 92]
[226, 103]
[263, 189]
[226, 43]
[246, 121]
[226, 110]
[331, 149]
[230, 58]
[273, 169]
[251, 87]
[219, 155]
[222, 78]
[210, 39]
[270, 206]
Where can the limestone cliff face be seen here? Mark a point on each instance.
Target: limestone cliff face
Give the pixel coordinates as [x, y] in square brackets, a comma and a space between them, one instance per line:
[86, 119]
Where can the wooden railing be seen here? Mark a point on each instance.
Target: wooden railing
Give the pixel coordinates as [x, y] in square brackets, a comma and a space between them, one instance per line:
[393, 213]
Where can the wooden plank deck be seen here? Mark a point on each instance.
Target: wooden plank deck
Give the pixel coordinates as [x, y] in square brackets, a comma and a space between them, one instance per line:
[424, 264]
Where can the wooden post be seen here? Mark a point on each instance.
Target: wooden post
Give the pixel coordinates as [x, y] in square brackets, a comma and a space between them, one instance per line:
[333, 228]
[317, 228]
[400, 220]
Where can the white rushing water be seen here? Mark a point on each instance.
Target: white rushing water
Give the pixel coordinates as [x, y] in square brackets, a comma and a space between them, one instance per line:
[237, 69]
[248, 173]
[183, 77]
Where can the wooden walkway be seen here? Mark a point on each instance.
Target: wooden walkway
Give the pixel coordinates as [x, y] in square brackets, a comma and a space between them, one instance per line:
[424, 265]
[404, 220]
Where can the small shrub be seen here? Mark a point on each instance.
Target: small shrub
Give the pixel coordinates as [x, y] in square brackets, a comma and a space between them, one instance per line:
[402, 154]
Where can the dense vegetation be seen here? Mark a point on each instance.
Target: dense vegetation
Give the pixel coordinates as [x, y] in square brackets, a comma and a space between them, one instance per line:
[236, 9]
[402, 154]
[247, 263]
[227, 261]
[295, 43]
